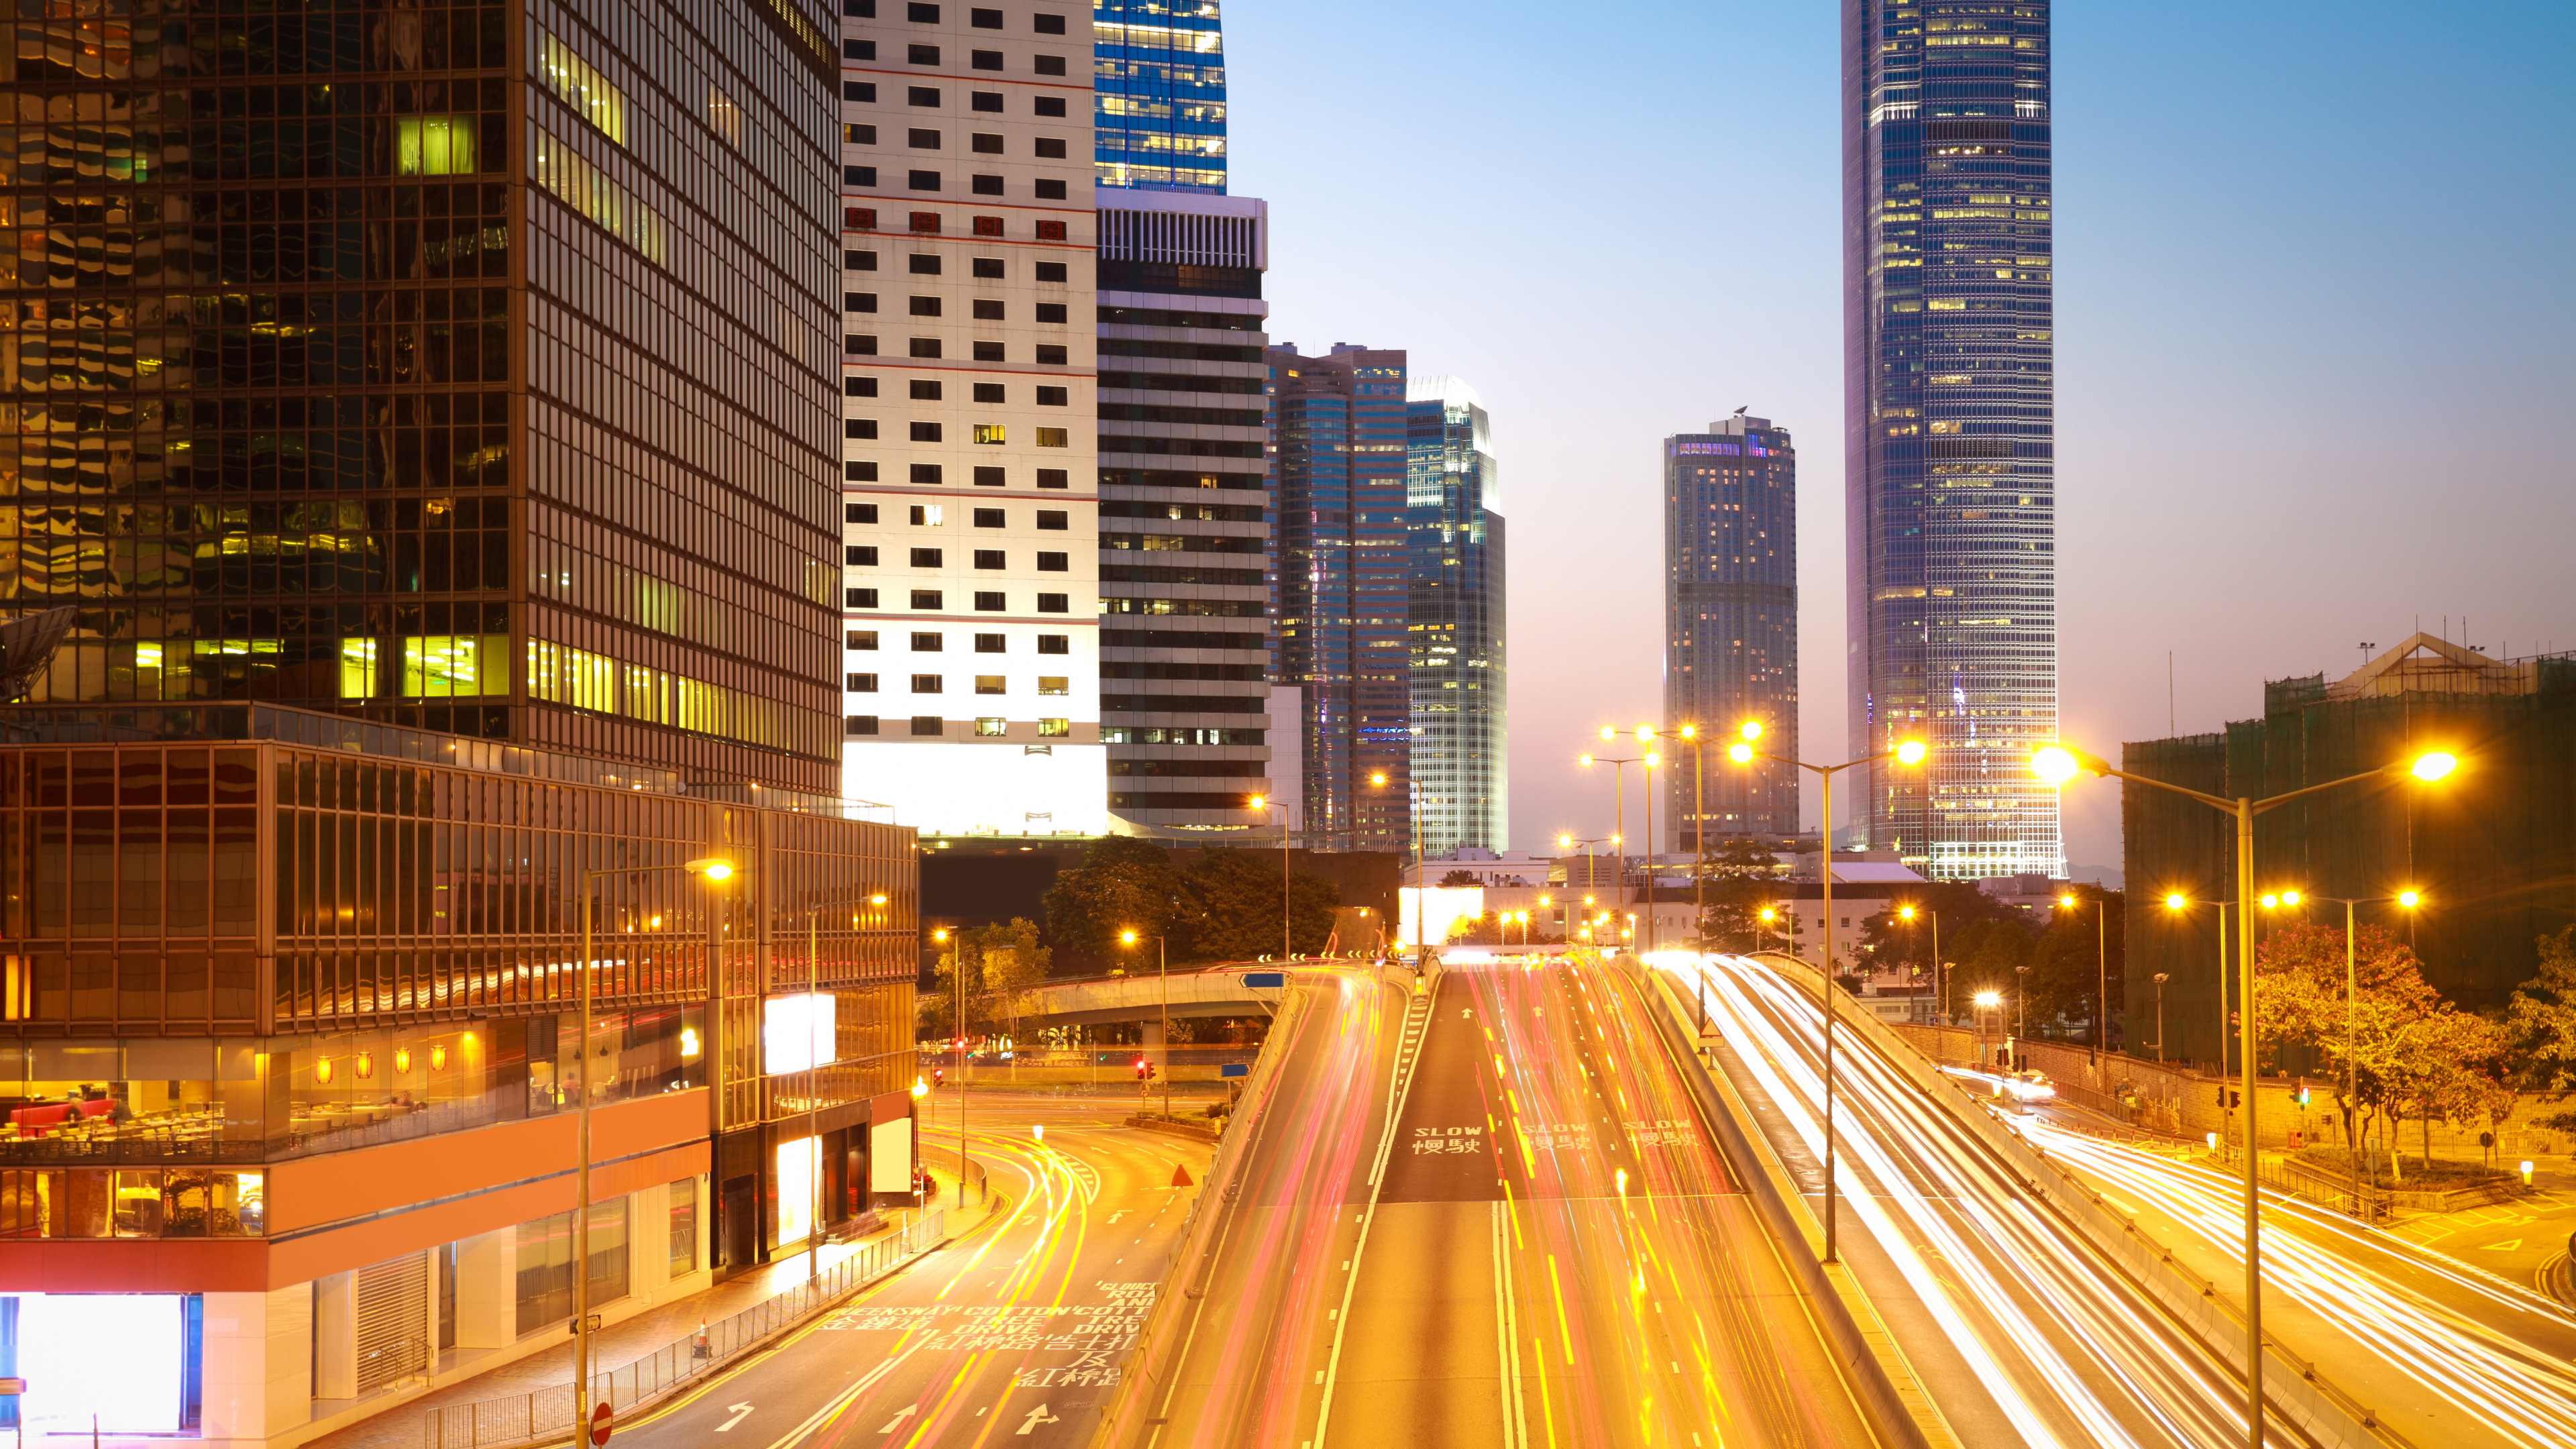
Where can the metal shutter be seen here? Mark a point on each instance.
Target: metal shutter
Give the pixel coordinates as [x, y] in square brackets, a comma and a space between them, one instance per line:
[393, 1308]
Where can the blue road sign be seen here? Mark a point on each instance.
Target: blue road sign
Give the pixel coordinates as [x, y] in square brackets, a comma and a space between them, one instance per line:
[1265, 980]
[1234, 1069]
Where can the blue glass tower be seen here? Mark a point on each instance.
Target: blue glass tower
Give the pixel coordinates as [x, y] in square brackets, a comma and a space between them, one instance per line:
[1950, 470]
[1730, 626]
[1159, 77]
[1454, 561]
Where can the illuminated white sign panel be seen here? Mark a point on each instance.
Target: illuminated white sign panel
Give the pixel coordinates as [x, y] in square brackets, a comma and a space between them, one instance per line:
[796, 1032]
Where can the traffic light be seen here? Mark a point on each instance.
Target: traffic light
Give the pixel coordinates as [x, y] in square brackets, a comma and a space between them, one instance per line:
[2299, 1091]
[1142, 1070]
[939, 1076]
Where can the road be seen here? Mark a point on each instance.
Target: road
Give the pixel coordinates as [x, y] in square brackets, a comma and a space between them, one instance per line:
[1553, 1253]
[1007, 1337]
[2017, 1331]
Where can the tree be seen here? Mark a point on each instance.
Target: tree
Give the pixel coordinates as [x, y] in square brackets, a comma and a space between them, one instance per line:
[1228, 908]
[2067, 959]
[2540, 1026]
[1000, 963]
[1742, 880]
[1458, 878]
[1123, 884]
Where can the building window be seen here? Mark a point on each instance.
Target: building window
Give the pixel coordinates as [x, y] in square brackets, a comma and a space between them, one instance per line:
[1055, 643]
[1051, 312]
[859, 724]
[1051, 148]
[858, 301]
[859, 598]
[986, 433]
[986, 100]
[1049, 24]
[863, 92]
[434, 145]
[1054, 520]
[984, 59]
[1055, 684]
[858, 50]
[928, 724]
[992, 643]
[988, 309]
[925, 306]
[989, 684]
[926, 558]
[865, 428]
[859, 261]
[988, 352]
[1054, 478]
[989, 267]
[858, 135]
[926, 683]
[990, 518]
[921, 14]
[921, 55]
[1047, 191]
[859, 556]
[988, 477]
[1051, 271]
[925, 432]
[989, 392]
[859, 639]
[988, 226]
[927, 600]
[1053, 397]
[858, 345]
[1054, 438]
[1050, 106]
[988, 144]
[1050, 64]
[987, 185]
[989, 558]
[928, 515]
[984, 19]
[859, 386]
[988, 725]
[1051, 354]
[929, 643]
[859, 472]
[924, 347]
[1054, 729]
[858, 513]
[925, 473]
[924, 264]
[859, 683]
[1055, 603]
[923, 389]
[921, 95]
[858, 176]
[990, 602]
[926, 222]
[1053, 563]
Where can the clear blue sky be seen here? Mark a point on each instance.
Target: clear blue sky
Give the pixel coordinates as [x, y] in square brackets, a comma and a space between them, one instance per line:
[2313, 320]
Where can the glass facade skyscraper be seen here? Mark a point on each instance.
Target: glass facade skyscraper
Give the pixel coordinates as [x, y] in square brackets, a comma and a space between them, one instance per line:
[1338, 594]
[1731, 625]
[1159, 74]
[1950, 514]
[1454, 559]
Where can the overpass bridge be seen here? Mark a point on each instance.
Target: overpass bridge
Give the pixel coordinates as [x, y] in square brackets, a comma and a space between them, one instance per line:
[1234, 988]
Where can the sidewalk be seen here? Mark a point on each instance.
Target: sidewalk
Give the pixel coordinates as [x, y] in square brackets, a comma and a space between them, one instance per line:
[400, 1425]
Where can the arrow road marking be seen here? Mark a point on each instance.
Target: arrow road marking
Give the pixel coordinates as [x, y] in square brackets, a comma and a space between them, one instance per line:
[739, 1412]
[847, 1397]
[1037, 1416]
[906, 1412]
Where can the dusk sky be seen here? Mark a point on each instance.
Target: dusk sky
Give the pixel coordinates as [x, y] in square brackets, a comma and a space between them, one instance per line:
[2313, 371]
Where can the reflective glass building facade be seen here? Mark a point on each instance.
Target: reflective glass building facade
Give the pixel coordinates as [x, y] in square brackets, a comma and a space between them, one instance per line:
[1731, 625]
[1454, 542]
[1338, 590]
[1949, 389]
[1159, 71]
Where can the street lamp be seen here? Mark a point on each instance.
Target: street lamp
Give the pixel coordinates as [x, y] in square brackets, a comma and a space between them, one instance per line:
[2102, 990]
[1768, 916]
[2060, 763]
[2160, 1018]
[1619, 804]
[1162, 968]
[1744, 752]
[714, 870]
[2351, 1022]
[1940, 998]
[2180, 902]
[1984, 1001]
[1421, 902]
[1262, 802]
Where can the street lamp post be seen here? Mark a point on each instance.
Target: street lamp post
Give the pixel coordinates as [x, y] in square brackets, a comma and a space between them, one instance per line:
[2352, 1023]
[2021, 1010]
[1743, 752]
[1940, 998]
[1286, 914]
[2160, 1018]
[1619, 810]
[2102, 990]
[2060, 763]
[1984, 1001]
[957, 969]
[1163, 970]
[2180, 902]
[713, 869]
[1421, 901]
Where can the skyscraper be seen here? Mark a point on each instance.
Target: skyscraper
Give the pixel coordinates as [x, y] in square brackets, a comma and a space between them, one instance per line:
[1338, 441]
[1183, 638]
[1159, 73]
[1948, 398]
[1730, 625]
[970, 535]
[1454, 622]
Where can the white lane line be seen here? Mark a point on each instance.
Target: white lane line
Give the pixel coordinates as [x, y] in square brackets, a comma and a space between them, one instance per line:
[1405, 1055]
[847, 1396]
[1507, 1335]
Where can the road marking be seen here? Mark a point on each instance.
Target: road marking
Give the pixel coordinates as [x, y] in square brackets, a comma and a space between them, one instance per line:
[1037, 1416]
[739, 1411]
[906, 1412]
[847, 1397]
[1408, 1054]
[2507, 1246]
[1507, 1337]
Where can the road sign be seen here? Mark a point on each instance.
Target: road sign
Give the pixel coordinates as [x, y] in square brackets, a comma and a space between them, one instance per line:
[600, 1419]
[1180, 1176]
[1265, 980]
[9, 1387]
[1234, 1069]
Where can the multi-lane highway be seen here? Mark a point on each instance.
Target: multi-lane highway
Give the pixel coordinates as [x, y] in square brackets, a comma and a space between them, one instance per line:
[2019, 1332]
[1543, 1249]
[1010, 1336]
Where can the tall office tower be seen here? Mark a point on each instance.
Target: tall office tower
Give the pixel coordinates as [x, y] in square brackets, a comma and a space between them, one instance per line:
[1159, 71]
[1453, 524]
[1184, 644]
[971, 541]
[428, 413]
[1338, 594]
[1950, 478]
[1730, 627]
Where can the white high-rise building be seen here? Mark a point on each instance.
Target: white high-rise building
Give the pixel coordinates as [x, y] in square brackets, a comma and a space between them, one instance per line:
[970, 582]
